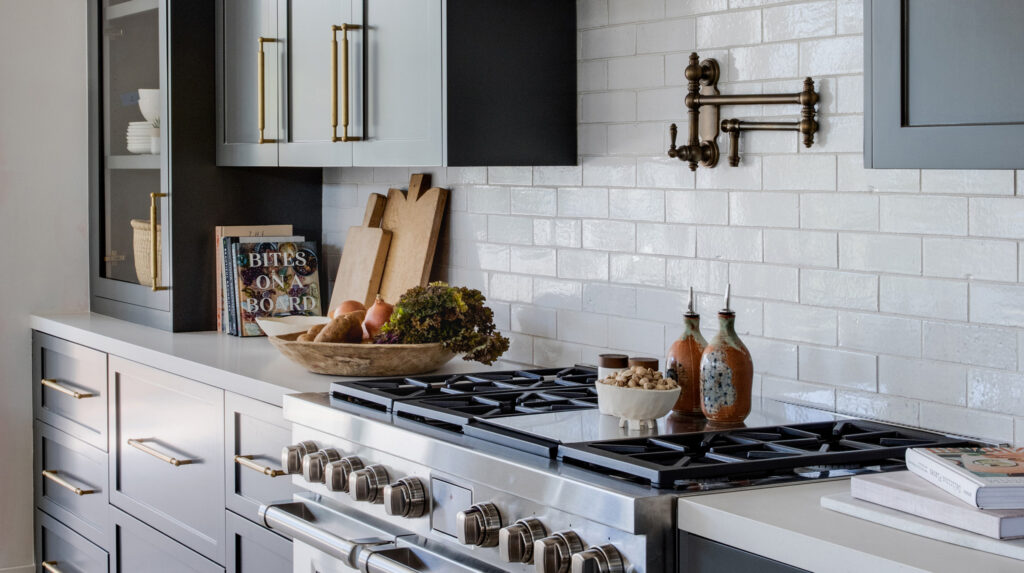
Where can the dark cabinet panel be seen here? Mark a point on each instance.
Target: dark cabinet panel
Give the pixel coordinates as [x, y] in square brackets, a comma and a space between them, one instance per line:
[71, 482]
[67, 551]
[69, 388]
[138, 547]
[701, 555]
[255, 549]
[935, 103]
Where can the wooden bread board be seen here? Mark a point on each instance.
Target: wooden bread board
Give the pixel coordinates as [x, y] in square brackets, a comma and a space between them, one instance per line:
[414, 220]
[363, 258]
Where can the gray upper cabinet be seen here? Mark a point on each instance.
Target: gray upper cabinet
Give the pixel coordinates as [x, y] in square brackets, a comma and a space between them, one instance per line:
[420, 82]
[926, 105]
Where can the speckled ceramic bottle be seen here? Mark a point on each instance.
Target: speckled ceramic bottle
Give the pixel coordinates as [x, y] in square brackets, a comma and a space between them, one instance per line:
[726, 372]
[683, 362]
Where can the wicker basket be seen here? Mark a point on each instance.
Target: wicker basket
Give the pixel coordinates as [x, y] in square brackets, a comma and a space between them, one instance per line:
[143, 255]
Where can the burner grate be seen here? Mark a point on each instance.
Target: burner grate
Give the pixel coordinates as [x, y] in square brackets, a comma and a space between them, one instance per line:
[667, 459]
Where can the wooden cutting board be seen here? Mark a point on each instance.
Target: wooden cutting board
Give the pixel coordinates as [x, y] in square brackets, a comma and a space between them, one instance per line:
[414, 219]
[363, 258]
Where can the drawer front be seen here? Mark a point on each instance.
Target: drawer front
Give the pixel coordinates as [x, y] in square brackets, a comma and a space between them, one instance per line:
[71, 482]
[65, 550]
[74, 396]
[254, 549]
[167, 454]
[258, 431]
[138, 547]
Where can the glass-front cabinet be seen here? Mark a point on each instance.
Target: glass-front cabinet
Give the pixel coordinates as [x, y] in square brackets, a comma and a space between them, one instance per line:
[156, 195]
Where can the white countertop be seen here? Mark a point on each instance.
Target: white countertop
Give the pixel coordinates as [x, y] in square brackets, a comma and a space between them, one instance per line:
[788, 524]
[247, 366]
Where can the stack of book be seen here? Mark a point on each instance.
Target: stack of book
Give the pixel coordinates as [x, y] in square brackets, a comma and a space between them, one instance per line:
[976, 489]
[264, 270]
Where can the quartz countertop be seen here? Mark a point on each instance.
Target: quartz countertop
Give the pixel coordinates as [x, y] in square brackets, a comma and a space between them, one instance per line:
[247, 366]
[788, 524]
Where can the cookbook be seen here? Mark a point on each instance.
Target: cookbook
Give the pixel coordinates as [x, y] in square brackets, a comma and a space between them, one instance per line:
[989, 478]
[275, 279]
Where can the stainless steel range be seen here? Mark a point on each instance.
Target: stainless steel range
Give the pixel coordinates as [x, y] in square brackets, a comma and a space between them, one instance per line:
[517, 471]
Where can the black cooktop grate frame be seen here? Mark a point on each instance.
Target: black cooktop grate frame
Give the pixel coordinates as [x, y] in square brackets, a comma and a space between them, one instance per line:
[666, 459]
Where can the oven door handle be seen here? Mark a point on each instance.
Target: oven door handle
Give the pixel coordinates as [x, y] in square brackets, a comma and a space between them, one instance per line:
[373, 561]
[294, 520]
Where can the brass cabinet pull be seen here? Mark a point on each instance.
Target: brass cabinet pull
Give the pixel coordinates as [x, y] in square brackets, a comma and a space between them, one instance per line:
[53, 476]
[138, 445]
[261, 90]
[246, 461]
[51, 383]
[50, 566]
[344, 28]
[154, 246]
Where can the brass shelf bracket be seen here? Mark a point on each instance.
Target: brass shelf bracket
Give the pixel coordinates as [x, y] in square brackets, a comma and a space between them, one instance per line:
[702, 92]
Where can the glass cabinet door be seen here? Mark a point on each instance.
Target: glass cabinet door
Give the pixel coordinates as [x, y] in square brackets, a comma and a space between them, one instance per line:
[133, 182]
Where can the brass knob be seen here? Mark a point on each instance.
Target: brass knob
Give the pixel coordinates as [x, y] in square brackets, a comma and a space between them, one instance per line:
[479, 525]
[313, 464]
[406, 498]
[598, 559]
[336, 473]
[366, 484]
[553, 554]
[291, 456]
[515, 542]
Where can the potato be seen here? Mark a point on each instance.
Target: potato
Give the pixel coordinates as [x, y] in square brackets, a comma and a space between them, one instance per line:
[345, 328]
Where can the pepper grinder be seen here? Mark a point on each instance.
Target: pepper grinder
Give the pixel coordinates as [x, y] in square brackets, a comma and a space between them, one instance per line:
[726, 372]
[683, 362]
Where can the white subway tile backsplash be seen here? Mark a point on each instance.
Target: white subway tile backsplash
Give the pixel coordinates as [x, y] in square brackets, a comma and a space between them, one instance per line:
[665, 36]
[967, 344]
[729, 243]
[636, 335]
[923, 297]
[839, 289]
[663, 172]
[512, 288]
[558, 175]
[967, 422]
[621, 11]
[749, 314]
[924, 214]
[609, 42]
[878, 407]
[638, 269]
[800, 323]
[487, 256]
[604, 235]
[923, 379]
[659, 305]
[661, 105]
[583, 327]
[997, 304]
[552, 353]
[765, 62]
[541, 201]
[637, 204]
[995, 391]
[703, 275]
[578, 264]
[970, 259]
[838, 368]
[799, 21]
[636, 139]
[880, 333]
[532, 260]
[607, 106]
[887, 253]
[746, 176]
[568, 233]
[764, 281]
[763, 209]
[843, 55]
[609, 299]
[801, 248]
[465, 175]
[467, 227]
[659, 239]
[701, 207]
[675, 8]
[842, 212]
[591, 13]
[533, 321]
[849, 16]
[609, 171]
[799, 172]
[851, 94]
[582, 202]
[997, 217]
[967, 182]
[503, 229]
[771, 357]
[636, 72]
[729, 29]
[814, 395]
[854, 177]
[520, 348]
[557, 293]
[593, 139]
[592, 75]
[489, 200]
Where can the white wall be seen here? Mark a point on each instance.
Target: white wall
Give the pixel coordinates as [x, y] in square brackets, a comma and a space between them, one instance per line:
[888, 294]
[43, 203]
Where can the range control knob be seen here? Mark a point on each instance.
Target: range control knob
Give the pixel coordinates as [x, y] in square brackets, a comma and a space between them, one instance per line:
[553, 554]
[406, 498]
[313, 464]
[598, 559]
[336, 473]
[366, 484]
[291, 456]
[515, 542]
[479, 525]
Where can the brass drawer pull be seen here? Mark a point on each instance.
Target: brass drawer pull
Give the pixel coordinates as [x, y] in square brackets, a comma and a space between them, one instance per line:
[50, 566]
[138, 445]
[344, 28]
[261, 89]
[246, 461]
[53, 476]
[53, 384]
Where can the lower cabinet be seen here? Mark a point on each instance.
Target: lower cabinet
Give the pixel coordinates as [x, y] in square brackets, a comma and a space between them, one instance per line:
[701, 555]
[71, 482]
[59, 548]
[255, 549]
[139, 547]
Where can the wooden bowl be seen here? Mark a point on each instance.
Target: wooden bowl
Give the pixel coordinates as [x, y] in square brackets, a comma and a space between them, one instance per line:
[342, 359]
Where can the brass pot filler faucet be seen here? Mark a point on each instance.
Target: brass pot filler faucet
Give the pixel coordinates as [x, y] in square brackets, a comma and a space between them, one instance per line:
[702, 91]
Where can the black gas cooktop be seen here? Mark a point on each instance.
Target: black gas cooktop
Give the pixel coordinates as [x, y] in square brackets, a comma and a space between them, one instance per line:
[552, 413]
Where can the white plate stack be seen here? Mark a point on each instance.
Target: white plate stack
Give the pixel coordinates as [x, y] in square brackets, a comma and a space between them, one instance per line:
[140, 136]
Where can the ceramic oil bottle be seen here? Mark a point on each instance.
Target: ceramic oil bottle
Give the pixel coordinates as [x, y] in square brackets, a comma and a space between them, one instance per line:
[726, 372]
[683, 362]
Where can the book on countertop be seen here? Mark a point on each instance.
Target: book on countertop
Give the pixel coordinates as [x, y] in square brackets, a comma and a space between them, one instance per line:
[989, 478]
[221, 231]
[909, 493]
[275, 279]
[230, 274]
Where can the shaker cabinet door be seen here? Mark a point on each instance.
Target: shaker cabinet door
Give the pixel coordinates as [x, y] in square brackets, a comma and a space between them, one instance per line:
[138, 547]
[404, 76]
[248, 84]
[71, 482]
[69, 388]
[166, 454]
[935, 103]
[59, 548]
[254, 549]
[316, 77]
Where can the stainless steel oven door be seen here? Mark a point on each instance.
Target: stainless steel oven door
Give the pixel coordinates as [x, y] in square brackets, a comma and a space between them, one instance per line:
[331, 539]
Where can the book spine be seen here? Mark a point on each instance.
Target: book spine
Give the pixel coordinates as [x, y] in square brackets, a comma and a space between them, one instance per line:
[232, 298]
[953, 513]
[218, 255]
[942, 476]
